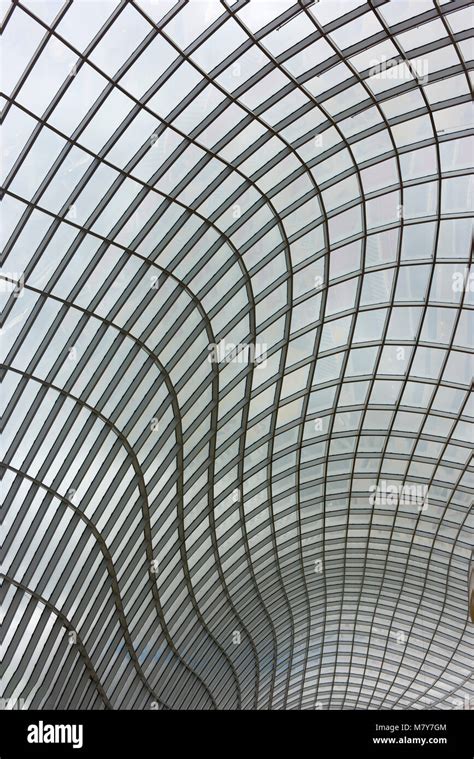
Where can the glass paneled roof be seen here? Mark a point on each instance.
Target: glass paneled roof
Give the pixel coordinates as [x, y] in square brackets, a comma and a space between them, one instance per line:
[237, 338]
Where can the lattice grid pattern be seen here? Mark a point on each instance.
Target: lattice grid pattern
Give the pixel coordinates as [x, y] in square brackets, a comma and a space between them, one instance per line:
[237, 318]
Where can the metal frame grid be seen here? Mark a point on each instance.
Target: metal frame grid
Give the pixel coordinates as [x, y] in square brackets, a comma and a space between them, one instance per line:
[194, 533]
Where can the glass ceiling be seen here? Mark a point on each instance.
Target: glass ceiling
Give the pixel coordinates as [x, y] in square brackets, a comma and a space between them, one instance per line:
[237, 332]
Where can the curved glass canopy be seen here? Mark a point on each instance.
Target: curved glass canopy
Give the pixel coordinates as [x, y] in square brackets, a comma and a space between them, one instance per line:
[237, 332]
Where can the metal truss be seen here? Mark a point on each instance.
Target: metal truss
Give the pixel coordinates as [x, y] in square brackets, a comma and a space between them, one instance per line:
[237, 332]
